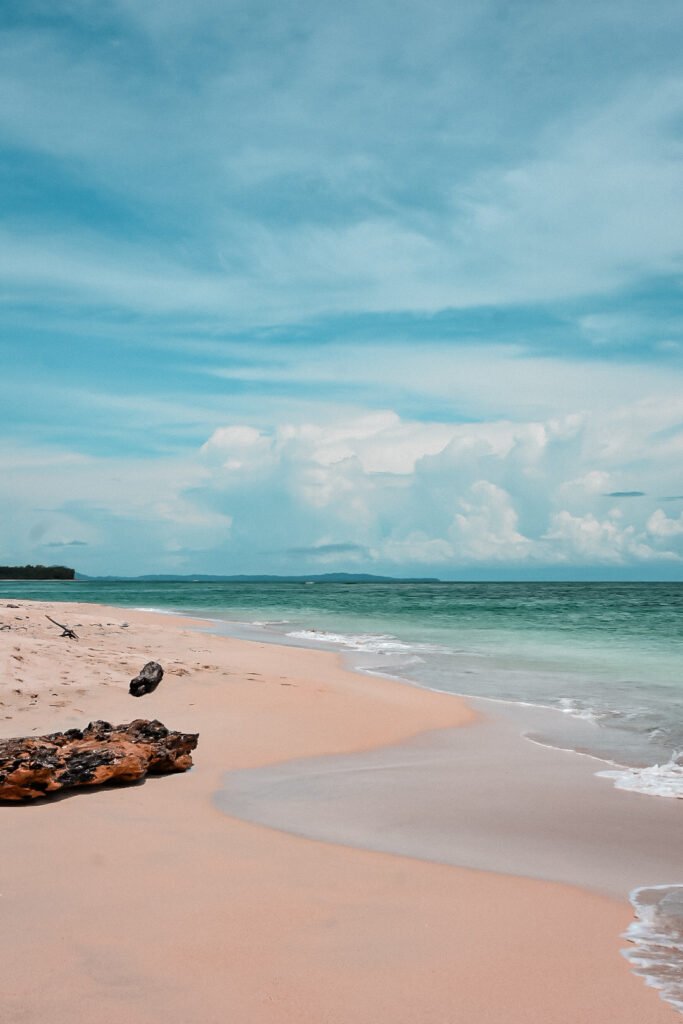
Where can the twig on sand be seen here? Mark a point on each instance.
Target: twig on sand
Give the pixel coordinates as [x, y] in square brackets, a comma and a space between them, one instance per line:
[65, 629]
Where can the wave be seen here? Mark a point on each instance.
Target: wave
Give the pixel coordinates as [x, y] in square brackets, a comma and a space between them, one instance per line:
[574, 708]
[164, 611]
[655, 780]
[370, 643]
[657, 938]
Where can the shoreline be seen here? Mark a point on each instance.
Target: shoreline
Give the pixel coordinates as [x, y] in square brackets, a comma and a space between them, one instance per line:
[274, 928]
[563, 730]
[632, 723]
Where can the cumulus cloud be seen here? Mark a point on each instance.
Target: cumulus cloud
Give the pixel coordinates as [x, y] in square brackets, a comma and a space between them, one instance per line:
[486, 530]
[374, 491]
[663, 527]
[591, 541]
[416, 494]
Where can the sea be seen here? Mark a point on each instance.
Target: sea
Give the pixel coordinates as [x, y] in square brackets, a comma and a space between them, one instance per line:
[606, 658]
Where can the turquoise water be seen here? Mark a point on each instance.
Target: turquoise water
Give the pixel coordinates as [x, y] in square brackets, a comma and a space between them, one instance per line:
[610, 654]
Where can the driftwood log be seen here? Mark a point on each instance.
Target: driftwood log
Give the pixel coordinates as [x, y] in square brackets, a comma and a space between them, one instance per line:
[36, 766]
[147, 680]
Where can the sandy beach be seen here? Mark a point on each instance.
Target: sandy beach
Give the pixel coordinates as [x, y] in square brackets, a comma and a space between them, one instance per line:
[149, 904]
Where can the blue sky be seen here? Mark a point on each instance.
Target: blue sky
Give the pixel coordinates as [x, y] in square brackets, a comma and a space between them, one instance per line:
[305, 287]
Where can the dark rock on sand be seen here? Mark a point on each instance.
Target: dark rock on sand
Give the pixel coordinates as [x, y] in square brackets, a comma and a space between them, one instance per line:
[35, 766]
[147, 681]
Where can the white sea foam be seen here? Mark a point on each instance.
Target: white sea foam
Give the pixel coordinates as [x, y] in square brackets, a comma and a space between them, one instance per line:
[569, 706]
[657, 938]
[160, 611]
[369, 642]
[655, 780]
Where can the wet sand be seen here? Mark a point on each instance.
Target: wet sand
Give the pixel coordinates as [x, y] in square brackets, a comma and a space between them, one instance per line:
[149, 904]
[484, 797]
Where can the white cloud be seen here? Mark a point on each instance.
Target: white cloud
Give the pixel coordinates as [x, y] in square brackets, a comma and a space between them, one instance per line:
[590, 485]
[588, 540]
[486, 530]
[663, 527]
[534, 493]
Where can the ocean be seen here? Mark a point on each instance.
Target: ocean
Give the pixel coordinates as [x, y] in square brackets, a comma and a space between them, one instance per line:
[607, 656]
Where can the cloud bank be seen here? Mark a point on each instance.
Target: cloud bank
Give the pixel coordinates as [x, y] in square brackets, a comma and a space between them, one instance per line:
[384, 493]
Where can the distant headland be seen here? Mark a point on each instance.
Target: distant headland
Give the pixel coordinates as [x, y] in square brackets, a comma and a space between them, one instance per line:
[328, 577]
[36, 572]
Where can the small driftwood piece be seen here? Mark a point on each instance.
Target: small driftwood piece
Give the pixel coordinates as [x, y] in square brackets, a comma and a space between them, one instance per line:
[36, 766]
[66, 631]
[147, 680]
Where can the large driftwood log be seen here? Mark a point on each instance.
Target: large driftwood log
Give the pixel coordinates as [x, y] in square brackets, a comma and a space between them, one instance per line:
[36, 766]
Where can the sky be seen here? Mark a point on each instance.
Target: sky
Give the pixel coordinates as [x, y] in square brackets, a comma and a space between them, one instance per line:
[306, 287]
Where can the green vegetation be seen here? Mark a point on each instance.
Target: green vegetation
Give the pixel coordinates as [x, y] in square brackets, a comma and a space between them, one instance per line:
[36, 572]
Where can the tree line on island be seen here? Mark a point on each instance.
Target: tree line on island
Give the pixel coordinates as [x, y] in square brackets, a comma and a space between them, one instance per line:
[36, 572]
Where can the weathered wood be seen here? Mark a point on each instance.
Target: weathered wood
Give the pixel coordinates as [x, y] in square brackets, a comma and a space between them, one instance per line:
[66, 631]
[36, 766]
[147, 680]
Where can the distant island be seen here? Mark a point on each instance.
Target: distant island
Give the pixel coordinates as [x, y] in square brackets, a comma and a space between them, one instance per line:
[36, 572]
[328, 577]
